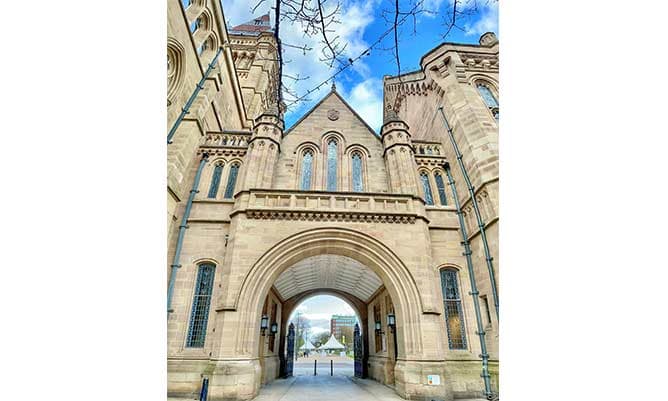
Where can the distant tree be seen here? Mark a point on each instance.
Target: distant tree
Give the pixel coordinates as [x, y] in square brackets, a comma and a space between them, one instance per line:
[302, 329]
[321, 338]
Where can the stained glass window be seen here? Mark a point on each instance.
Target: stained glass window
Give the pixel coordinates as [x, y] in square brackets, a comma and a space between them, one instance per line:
[357, 172]
[487, 96]
[332, 161]
[215, 180]
[428, 198]
[199, 316]
[231, 181]
[440, 187]
[307, 168]
[454, 316]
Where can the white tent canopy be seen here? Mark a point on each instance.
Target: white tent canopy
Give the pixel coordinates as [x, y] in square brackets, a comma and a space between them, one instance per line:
[307, 346]
[332, 343]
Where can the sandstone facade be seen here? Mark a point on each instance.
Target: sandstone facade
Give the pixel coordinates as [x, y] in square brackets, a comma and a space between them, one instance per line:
[328, 206]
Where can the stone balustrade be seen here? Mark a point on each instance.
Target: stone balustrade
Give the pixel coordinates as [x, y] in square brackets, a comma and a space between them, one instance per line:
[329, 206]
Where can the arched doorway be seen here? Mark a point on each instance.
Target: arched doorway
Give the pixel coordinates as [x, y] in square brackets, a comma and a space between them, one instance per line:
[375, 269]
[316, 316]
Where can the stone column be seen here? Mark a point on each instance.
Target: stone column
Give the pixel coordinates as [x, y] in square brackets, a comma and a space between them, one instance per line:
[399, 155]
[263, 149]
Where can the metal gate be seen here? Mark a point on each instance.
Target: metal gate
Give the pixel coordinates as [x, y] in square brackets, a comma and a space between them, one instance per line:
[290, 354]
[359, 352]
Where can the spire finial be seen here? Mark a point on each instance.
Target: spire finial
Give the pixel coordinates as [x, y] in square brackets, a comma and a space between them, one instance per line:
[333, 86]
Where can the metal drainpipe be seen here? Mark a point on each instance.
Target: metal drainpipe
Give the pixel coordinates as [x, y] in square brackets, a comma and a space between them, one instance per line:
[481, 225]
[182, 231]
[474, 289]
[200, 85]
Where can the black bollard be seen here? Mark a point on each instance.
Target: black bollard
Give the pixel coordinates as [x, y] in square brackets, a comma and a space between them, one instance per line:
[331, 367]
[315, 367]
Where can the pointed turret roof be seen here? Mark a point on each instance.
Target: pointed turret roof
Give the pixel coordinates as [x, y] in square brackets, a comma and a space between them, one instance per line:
[256, 25]
[332, 343]
[307, 346]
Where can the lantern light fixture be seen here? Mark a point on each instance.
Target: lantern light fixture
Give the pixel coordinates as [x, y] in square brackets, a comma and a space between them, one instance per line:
[264, 323]
[391, 320]
[274, 328]
[378, 327]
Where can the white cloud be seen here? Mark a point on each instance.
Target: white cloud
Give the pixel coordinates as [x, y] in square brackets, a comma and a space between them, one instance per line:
[487, 20]
[366, 98]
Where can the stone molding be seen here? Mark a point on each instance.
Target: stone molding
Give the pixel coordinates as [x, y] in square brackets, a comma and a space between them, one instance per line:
[329, 206]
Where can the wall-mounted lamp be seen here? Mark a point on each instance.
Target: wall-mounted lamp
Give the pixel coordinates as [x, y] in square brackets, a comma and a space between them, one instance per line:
[264, 323]
[391, 321]
[378, 327]
[274, 329]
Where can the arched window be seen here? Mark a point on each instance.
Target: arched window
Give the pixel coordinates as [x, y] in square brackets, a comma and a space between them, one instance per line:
[186, 3]
[428, 198]
[332, 164]
[357, 172]
[196, 25]
[215, 180]
[307, 169]
[489, 99]
[440, 187]
[199, 315]
[231, 181]
[454, 316]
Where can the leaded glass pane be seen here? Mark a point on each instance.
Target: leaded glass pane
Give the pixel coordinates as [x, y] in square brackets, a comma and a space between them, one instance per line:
[307, 167]
[199, 316]
[357, 172]
[440, 186]
[231, 181]
[487, 96]
[215, 180]
[332, 159]
[428, 198]
[454, 316]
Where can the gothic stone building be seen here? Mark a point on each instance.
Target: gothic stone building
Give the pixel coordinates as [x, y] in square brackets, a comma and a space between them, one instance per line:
[260, 217]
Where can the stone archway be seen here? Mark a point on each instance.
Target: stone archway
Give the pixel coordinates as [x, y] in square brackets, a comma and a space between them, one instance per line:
[414, 324]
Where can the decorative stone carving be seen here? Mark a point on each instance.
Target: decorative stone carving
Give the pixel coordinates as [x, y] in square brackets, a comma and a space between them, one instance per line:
[333, 115]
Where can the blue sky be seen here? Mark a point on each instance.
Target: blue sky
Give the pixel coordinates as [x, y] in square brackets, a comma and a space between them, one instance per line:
[362, 24]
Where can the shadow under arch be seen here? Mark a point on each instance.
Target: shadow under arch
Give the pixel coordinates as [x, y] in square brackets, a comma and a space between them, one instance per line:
[367, 250]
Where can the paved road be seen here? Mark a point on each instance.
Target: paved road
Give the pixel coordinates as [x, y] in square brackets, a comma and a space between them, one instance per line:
[326, 388]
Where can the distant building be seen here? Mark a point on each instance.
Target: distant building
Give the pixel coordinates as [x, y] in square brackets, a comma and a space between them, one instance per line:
[342, 325]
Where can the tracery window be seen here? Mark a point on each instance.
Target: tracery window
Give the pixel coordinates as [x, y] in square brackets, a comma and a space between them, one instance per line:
[489, 99]
[332, 164]
[357, 172]
[307, 169]
[199, 315]
[428, 198]
[440, 187]
[454, 316]
[215, 180]
[231, 181]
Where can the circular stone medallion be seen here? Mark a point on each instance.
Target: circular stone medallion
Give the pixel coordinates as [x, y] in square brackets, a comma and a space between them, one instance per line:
[333, 115]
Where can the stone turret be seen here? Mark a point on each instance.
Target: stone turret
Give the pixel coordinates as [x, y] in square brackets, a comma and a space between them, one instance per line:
[263, 149]
[398, 154]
